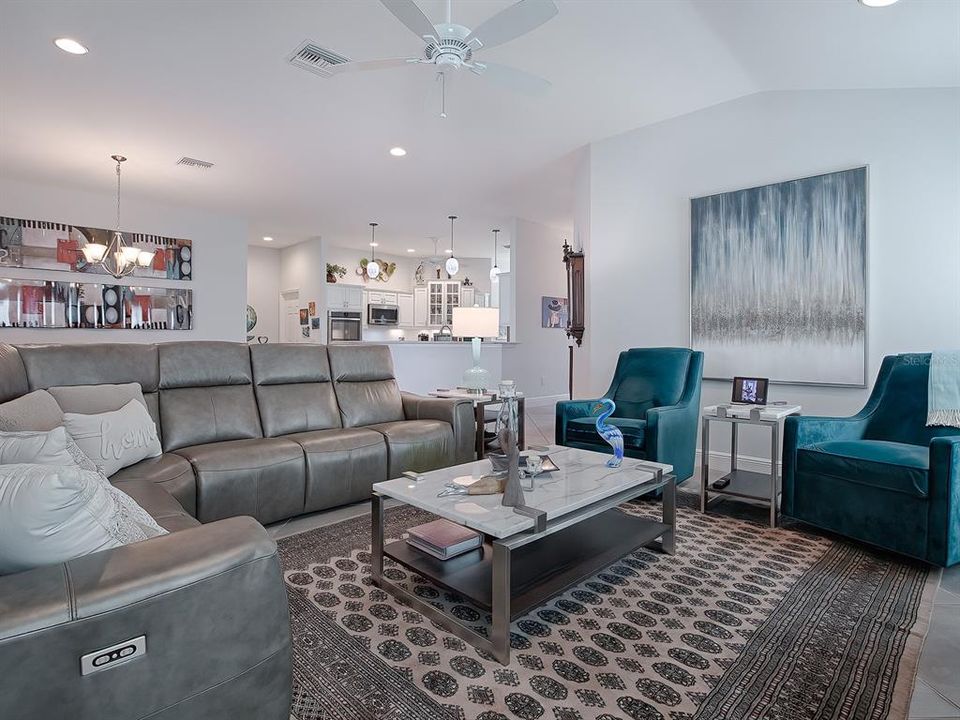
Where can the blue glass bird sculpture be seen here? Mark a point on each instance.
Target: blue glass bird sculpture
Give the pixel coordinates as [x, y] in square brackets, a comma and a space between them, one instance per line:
[610, 433]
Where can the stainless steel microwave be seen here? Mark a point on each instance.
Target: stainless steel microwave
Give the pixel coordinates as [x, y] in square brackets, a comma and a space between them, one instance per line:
[383, 314]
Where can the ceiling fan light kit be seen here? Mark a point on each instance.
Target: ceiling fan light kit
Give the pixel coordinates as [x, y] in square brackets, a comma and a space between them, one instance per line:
[450, 46]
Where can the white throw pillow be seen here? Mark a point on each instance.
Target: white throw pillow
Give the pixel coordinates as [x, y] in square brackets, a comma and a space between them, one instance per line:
[115, 440]
[93, 399]
[51, 514]
[39, 411]
[39, 448]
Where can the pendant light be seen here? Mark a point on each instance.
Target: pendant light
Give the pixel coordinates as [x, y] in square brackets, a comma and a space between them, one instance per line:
[452, 265]
[495, 271]
[116, 257]
[373, 267]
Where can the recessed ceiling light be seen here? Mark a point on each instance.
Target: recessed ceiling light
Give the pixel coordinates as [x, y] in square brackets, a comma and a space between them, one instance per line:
[71, 46]
[374, 244]
[877, 3]
[449, 251]
[397, 151]
[267, 238]
[411, 250]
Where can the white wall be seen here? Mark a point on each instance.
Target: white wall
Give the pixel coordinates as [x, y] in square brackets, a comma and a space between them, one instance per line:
[220, 257]
[303, 268]
[263, 290]
[637, 233]
[538, 363]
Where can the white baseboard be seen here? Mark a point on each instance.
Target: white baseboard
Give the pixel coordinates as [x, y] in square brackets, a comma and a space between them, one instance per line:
[721, 461]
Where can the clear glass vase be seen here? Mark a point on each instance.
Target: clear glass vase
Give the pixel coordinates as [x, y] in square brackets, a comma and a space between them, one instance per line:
[508, 417]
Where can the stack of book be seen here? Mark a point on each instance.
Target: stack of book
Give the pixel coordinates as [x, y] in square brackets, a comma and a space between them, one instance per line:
[443, 539]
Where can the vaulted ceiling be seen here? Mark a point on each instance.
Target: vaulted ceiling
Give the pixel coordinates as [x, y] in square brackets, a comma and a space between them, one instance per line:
[300, 155]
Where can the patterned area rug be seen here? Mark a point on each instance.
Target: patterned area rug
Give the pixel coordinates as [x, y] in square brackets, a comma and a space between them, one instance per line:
[743, 622]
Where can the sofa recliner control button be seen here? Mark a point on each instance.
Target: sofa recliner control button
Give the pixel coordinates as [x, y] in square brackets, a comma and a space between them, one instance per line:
[113, 656]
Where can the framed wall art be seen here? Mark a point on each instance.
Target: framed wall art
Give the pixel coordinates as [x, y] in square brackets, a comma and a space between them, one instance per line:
[53, 304]
[779, 280]
[42, 245]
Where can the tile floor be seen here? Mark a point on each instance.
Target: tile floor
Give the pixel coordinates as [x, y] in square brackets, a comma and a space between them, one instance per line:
[937, 692]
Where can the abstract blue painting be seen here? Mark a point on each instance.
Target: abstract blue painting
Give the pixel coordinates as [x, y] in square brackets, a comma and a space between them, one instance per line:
[779, 280]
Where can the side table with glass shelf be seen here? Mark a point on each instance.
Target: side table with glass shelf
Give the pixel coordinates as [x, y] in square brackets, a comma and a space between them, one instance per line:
[482, 403]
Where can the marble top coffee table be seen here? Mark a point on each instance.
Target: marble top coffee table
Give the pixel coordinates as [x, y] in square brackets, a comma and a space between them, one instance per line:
[569, 529]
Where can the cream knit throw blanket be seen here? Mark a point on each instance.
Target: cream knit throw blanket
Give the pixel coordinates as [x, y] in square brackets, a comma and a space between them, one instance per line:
[943, 391]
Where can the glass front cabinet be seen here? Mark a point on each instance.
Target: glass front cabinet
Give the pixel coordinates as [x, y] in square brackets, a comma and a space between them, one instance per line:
[442, 297]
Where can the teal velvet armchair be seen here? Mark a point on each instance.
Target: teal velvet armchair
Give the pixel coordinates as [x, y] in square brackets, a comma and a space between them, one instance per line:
[657, 393]
[881, 476]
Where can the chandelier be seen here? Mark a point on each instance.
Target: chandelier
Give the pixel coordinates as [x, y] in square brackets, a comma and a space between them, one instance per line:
[117, 258]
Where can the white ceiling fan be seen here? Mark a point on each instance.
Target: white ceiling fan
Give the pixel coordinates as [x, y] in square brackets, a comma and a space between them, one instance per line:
[450, 46]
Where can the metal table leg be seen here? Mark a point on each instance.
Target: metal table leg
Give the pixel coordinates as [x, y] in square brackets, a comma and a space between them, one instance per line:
[376, 547]
[733, 446]
[479, 415]
[704, 463]
[500, 631]
[669, 539]
[774, 475]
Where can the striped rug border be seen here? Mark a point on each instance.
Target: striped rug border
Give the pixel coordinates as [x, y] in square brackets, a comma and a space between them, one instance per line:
[860, 690]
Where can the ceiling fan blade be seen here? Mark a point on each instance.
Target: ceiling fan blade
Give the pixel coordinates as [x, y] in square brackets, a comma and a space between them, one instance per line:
[407, 12]
[513, 22]
[371, 65]
[512, 78]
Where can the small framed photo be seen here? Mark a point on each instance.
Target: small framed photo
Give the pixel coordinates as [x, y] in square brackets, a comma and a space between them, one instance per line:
[750, 391]
[554, 312]
[304, 316]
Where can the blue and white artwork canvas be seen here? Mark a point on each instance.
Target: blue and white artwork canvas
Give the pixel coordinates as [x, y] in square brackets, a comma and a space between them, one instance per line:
[779, 281]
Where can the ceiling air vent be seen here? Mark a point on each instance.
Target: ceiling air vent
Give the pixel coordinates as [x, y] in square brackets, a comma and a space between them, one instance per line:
[316, 59]
[194, 163]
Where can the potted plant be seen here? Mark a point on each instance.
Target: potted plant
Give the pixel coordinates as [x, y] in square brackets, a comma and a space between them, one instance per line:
[334, 272]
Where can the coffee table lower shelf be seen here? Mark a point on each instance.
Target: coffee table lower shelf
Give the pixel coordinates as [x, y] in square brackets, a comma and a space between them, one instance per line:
[539, 570]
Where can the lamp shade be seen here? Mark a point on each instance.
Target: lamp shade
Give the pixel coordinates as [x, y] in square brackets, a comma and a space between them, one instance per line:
[476, 322]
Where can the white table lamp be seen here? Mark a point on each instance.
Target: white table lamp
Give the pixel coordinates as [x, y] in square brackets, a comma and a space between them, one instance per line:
[476, 323]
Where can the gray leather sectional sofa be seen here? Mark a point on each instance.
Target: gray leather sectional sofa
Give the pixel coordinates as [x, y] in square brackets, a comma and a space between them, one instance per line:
[249, 433]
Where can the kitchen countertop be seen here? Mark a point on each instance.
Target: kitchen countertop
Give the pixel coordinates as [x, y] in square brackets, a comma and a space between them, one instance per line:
[449, 343]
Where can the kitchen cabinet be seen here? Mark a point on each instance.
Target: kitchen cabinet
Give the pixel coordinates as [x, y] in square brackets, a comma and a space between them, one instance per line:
[468, 296]
[344, 297]
[405, 312]
[420, 307]
[375, 297]
[442, 297]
